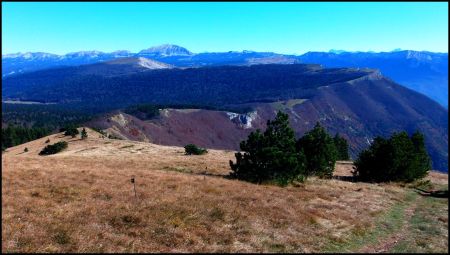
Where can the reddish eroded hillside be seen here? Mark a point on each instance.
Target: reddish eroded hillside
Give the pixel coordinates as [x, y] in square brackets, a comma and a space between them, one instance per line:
[211, 129]
[359, 110]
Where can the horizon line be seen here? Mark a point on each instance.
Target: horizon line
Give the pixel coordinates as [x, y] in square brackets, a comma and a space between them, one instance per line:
[328, 51]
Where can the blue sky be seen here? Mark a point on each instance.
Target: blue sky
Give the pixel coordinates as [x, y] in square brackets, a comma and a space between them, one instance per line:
[289, 27]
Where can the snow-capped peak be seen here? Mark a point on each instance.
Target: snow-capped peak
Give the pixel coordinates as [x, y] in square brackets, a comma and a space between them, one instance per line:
[91, 54]
[167, 50]
[336, 51]
[30, 55]
[418, 55]
[121, 53]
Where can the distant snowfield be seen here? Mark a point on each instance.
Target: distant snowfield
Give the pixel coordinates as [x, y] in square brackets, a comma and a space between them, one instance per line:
[23, 102]
[140, 61]
[151, 64]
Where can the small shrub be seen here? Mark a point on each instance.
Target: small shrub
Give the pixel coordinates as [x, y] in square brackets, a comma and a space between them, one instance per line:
[48, 140]
[53, 148]
[84, 134]
[71, 131]
[25, 150]
[99, 130]
[217, 214]
[35, 194]
[61, 237]
[124, 221]
[422, 184]
[192, 149]
[114, 137]
[130, 220]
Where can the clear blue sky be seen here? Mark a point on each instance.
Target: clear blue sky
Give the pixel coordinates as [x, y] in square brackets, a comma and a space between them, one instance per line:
[279, 27]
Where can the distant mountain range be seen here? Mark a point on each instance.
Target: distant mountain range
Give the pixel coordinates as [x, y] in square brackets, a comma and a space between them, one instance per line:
[425, 72]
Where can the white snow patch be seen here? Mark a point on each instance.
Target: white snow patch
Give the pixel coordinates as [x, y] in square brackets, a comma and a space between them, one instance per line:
[150, 64]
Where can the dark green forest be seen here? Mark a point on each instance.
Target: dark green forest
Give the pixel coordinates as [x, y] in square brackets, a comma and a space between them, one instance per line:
[23, 123]
[15, 135]
[211, 86]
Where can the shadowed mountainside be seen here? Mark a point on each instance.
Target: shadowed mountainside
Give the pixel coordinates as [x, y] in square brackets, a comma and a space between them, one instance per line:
[358, 103]
[422, 71]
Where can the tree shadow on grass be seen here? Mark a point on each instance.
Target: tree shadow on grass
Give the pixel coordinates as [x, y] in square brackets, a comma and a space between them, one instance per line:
[432, 193]
[346, 178]
[225, 176]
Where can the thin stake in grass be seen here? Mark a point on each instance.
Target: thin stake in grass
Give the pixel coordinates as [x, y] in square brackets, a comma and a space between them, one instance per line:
[134, 185]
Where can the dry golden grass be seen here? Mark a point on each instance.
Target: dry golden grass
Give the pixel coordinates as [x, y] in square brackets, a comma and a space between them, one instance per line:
[81, 200]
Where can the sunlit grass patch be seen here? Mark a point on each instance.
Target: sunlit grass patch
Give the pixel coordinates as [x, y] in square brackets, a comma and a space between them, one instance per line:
[386, 224]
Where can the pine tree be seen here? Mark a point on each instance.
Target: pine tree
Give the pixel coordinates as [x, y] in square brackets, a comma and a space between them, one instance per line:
[319, 150]
[421, 157]
[84, 134]
[270, 156]
[399, 158]
[341, 147]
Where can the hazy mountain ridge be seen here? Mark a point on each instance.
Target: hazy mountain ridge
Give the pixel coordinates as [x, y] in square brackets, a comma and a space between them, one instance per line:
[422, 71]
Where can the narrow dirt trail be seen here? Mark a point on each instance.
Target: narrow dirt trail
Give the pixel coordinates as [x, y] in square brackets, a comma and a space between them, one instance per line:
[386, 244]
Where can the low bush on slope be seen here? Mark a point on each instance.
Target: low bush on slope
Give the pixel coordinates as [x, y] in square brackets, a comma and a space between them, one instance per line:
[53, 148]
[192, 149]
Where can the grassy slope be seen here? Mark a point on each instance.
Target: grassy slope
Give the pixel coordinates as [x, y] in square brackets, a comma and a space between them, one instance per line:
[81, 200]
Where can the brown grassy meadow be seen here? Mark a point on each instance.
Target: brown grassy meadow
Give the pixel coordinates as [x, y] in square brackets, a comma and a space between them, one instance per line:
[82, 200]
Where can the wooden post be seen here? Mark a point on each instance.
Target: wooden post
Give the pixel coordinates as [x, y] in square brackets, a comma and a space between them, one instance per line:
[134, 185]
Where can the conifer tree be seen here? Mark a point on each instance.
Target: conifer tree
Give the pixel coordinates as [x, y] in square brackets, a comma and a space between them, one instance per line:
[270, 156]
[341, 147]
[84, 134]
[422, 160]
[319, 150]
[399, 158]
